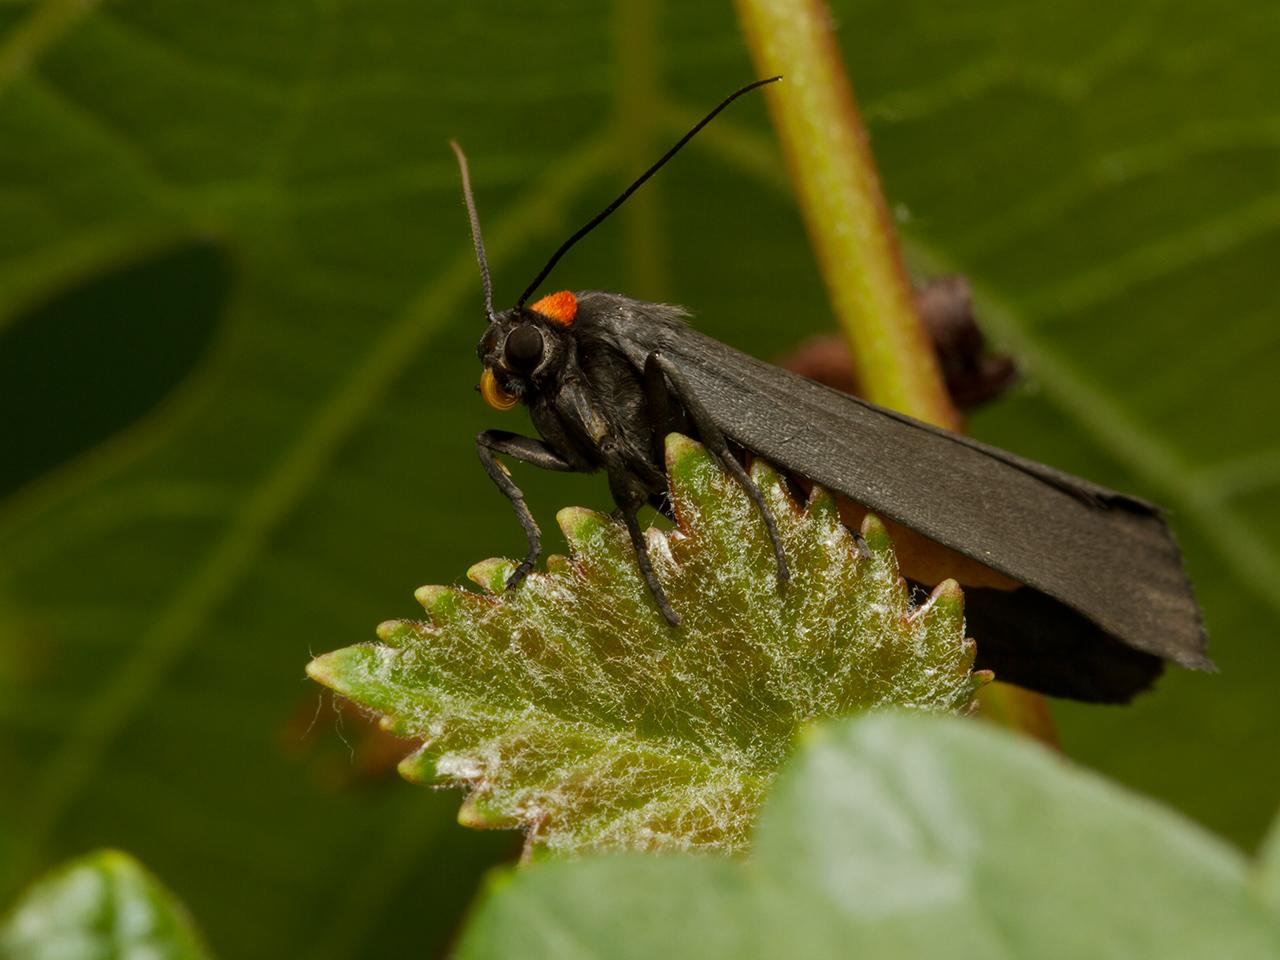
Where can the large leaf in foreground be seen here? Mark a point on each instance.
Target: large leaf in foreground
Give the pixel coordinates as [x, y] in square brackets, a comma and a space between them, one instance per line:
[570, 708]
[907, 836]
[1269, 867]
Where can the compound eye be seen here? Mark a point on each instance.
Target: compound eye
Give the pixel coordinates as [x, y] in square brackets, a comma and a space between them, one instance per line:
[523, 349]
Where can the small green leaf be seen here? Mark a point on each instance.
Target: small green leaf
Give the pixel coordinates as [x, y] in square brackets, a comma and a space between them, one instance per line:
[103, 906]
[906, 836]
[570, 708]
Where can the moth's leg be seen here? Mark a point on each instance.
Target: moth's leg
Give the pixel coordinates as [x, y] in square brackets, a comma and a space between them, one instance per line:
[655, 391]
[527, 450]
[660, 424]
[714, 440]
[630, 495]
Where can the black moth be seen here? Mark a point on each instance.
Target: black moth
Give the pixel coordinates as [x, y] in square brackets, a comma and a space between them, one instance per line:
[1104, 599]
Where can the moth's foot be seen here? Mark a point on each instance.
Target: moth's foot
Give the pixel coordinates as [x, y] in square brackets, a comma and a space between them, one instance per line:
[518, 574]
[668, 614]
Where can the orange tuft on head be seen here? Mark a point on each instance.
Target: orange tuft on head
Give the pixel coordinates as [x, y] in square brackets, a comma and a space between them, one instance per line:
[560, 308]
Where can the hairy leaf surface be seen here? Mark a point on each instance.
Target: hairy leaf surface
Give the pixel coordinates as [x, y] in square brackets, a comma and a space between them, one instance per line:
[569, 707]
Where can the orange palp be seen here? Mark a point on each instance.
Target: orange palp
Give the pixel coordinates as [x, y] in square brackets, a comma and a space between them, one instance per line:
[493, 393]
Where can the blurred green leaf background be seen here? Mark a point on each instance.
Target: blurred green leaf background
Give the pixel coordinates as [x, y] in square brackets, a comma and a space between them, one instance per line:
[238, 311]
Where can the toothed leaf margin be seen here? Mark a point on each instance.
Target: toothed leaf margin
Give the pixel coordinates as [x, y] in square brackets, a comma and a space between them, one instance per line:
[568, 707]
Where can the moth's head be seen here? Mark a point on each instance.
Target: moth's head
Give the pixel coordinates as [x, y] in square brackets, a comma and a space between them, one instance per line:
[524, 348]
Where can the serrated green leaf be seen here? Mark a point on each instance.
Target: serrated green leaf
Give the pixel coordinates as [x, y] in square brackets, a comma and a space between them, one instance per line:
[570, 708]
[898, 836]
[103, 906]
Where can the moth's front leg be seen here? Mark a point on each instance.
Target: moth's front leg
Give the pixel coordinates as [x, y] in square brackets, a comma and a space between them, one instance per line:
[526, 450]
[630, 494]
[660, 371]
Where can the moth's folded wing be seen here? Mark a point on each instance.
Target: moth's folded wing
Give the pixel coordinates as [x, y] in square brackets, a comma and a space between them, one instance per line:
[1108, 556]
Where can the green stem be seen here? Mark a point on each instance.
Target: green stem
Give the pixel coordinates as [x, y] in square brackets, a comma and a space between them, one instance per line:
[831, 165]
[639, 54]
[827, 151]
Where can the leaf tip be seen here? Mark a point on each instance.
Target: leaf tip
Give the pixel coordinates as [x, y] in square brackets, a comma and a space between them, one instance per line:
[441, 603]
[418, 767]
[478, 813]
[426, 596]
[764, 473]
[491, 575]
[947, 600]
[681, 451]
[822, 504]
[581, 525]
[876, 535]
[324, 669]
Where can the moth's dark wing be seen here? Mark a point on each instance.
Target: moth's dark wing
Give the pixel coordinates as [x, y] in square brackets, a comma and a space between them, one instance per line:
[1107, 556]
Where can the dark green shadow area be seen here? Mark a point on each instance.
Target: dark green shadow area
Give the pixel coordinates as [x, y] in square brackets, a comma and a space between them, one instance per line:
[11, 16]
[96, 358]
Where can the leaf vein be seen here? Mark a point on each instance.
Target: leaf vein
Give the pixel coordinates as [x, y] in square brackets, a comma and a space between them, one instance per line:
[72, 766]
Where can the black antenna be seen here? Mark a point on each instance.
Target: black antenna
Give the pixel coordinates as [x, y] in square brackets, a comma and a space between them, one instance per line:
[475, 229]
[603, 214]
